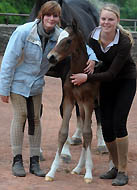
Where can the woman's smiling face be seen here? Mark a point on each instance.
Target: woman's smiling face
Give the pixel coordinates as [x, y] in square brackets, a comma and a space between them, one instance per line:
[50, 21]
[108, 21]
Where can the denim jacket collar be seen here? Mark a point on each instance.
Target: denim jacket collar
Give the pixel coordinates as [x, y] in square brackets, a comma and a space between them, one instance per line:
[34, 37]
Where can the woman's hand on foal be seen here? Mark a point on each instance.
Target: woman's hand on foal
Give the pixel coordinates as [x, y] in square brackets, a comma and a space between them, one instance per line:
[90, 67]
[78, 79]
[5, 99]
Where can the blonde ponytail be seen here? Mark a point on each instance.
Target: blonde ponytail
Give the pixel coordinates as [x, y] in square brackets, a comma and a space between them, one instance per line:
[126, 32]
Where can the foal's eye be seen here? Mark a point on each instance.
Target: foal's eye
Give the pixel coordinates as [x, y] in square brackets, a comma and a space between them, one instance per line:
[69, 41]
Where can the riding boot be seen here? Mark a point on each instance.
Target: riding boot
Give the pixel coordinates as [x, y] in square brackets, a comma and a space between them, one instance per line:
[122, 148]
[112, 148]
[35, 167]
[17, 166]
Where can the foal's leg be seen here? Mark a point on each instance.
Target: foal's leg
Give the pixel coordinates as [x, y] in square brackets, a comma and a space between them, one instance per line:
[77, 136]
[101, 146]
[88, 165]
[87, 138]
[65, 153]
[62, 137]
[75, 140]
[80, 164]
[85, 157]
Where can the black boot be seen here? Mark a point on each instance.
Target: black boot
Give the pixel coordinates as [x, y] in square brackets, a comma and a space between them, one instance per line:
[17, 166]
[111, 174]
[35, 167]
[120, 180]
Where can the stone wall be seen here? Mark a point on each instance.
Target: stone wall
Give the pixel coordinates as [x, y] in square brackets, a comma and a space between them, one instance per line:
[6, 31]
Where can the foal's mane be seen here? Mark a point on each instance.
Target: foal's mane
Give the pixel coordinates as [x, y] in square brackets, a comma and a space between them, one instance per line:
[75, 30]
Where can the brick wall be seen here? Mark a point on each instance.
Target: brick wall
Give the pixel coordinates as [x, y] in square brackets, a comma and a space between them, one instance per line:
[6, 31]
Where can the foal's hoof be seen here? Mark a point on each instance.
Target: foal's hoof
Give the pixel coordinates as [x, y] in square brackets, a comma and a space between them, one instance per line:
[75, 141]
[47, 178]
[66, 158]
[88, 180]
[74, 173]
[102, 149]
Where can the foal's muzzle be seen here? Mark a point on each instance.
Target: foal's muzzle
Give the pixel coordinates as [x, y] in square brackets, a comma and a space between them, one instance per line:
[52, 59]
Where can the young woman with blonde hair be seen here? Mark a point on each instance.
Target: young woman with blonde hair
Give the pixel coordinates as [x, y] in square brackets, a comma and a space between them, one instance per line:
[112, 45]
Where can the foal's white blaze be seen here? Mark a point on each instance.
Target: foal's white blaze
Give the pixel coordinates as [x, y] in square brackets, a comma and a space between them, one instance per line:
[62, 35]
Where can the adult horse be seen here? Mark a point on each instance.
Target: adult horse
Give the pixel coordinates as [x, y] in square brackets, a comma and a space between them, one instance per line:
[74, 45]
[87, 17]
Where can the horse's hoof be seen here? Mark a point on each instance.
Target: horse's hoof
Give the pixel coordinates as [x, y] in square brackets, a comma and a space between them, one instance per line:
[41, 158]
[102, 149]
[66, 158]
[76, 141]
[74, 173]
[88, 180]
[47, 178]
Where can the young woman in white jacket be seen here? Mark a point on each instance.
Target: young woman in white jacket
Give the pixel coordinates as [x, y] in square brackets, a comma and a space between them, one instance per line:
[23, 68]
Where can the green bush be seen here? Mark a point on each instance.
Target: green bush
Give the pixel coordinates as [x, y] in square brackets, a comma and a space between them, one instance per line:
[15, 6]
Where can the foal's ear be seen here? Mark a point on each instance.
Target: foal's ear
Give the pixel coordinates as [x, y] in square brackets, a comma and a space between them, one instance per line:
[74, 25]
[60, 2]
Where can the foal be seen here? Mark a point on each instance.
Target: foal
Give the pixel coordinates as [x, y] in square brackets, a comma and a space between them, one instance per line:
[84, 95]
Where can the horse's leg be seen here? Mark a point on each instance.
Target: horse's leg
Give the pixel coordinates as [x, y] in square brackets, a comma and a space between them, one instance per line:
[55, 165]
[80, 164]
[65, 153]
[111, 164]
[62, 137]
[85, 158]
[41, 155]
[87, 138]
[77, 136]
[101, 146]
[88, 165]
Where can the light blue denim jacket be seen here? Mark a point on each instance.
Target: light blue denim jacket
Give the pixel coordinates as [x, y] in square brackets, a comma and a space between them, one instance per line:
[22, 69]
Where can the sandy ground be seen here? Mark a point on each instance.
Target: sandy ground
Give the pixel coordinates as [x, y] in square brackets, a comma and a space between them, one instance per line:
[51, 121]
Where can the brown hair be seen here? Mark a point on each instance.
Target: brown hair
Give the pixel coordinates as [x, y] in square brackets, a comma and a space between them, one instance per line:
[49, 8]
[115, 9]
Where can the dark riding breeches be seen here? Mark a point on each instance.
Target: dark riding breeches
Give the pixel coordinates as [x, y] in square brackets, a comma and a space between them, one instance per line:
[115, 102]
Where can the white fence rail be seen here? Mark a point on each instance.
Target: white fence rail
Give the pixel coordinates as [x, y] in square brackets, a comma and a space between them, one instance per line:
[129, 24]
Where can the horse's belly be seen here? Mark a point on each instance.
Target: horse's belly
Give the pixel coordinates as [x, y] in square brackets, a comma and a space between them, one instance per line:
[86, 92]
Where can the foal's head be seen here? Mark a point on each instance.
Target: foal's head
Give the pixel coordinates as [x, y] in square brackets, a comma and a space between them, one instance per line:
[70, 43]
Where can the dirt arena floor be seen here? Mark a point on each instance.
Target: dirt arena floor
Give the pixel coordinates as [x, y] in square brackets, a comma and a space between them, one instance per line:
[51, 121]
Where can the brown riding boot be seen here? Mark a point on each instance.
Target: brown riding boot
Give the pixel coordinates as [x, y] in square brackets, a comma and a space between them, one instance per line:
[112, 148]
[122, 148]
